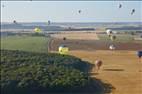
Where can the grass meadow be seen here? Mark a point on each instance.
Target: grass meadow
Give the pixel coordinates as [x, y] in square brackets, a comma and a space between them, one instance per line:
[25, 43]
[119, 37]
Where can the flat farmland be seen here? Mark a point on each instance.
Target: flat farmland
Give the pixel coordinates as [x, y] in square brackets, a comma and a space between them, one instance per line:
[120, 68]
[25, 43]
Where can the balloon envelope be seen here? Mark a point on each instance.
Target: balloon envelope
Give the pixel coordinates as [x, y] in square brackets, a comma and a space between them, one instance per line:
[109, 32]
[63, 50]
[120, 5]
[49, 22]
[15, 22]
[79, 11]
[133, 10]
[113, 37]
[112, 47]
[37, 30]
[139, 54]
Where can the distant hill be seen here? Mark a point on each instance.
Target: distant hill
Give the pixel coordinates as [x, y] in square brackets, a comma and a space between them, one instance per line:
[72, 26]
[20, 26]
[43, 27]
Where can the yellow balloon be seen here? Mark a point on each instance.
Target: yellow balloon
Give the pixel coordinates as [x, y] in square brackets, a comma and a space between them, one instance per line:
[63, 50]
[37, 30]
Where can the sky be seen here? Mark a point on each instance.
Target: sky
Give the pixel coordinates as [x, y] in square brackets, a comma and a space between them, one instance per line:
[67, 11]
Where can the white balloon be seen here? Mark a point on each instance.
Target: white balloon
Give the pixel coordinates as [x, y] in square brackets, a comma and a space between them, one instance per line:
[109, 32]
[112, 47]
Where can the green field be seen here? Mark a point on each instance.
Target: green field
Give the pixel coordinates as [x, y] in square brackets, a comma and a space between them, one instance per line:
[119, 38]
[25, 43]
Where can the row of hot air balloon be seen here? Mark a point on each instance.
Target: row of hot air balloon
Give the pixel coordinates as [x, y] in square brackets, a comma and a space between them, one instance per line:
[132, 11]
[110, 34]
[112, 37]
[120, 6]
[112, 47]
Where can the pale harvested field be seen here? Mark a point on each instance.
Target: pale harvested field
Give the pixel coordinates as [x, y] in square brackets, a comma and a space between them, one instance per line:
[120, 68]
[77, 35]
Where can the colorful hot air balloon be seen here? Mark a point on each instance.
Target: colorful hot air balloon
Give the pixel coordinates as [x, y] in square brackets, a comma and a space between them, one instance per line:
[63, 49]
[139, 54]
[37, 30]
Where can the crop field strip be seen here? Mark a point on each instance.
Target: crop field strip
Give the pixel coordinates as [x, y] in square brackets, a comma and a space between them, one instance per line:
[25, 43]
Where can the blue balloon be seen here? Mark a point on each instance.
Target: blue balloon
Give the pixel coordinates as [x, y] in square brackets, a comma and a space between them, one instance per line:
[139, 54]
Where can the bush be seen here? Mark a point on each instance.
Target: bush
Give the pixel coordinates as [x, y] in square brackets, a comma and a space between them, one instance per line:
[24, 72]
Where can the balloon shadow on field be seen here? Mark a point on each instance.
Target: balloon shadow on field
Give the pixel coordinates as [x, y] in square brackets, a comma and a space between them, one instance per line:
[113, 69]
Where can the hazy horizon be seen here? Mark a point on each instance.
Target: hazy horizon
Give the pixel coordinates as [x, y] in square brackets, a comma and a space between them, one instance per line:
[77, 22]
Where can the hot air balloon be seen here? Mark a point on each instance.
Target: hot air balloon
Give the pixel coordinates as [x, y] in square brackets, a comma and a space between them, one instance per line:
[112, 47]
[49, 22]
[15, 22]
[79, 11]
[113, 37]
[139, 54]
[98, 64]
[109, 32]
[64, 38]
[63, 49]
[37, 30]
[120, 5]
[133, 11]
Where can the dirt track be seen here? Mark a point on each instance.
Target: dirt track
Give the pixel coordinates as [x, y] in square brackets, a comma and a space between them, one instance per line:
[121, 69]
